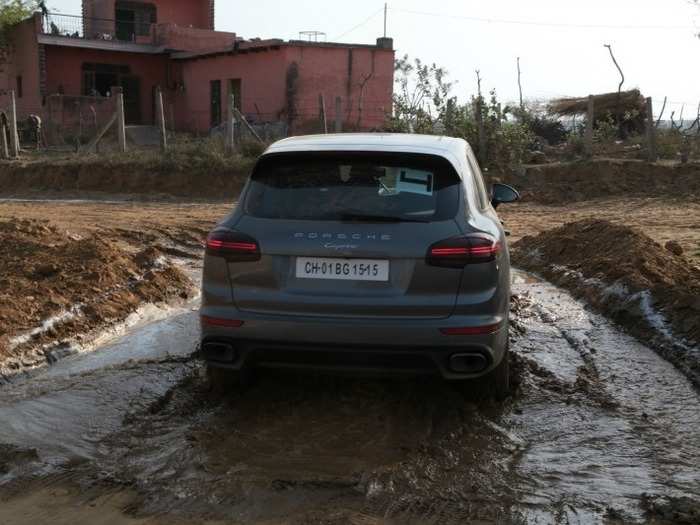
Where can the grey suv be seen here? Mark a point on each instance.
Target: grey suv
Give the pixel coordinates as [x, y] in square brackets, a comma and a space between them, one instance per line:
[361, 252]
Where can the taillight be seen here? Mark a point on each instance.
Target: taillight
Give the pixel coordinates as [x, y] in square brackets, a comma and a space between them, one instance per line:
[457, 252]
[218, 322]
[472, 330]
[233, 246]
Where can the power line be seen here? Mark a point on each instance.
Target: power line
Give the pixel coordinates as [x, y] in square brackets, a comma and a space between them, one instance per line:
[539, 24]
[371, 17]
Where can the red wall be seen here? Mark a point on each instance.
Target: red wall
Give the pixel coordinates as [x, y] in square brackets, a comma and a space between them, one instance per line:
[185, 13]
[23, 60]
[194, 13]
[323, 70]
[363, 78]
[64, 68]
[181, 38]
[263, 77]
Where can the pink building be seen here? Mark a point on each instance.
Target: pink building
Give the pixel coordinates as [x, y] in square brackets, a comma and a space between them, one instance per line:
[139, 46]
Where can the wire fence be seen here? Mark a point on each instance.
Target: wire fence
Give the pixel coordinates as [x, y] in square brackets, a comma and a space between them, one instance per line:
[71, 121]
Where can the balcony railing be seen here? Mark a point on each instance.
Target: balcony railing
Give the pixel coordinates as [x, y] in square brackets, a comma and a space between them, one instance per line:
[72, 26]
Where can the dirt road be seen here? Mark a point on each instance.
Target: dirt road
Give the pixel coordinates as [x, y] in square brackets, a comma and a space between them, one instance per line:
[600, 430]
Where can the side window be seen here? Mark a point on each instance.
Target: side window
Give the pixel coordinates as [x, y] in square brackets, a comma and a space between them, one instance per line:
[481, 193]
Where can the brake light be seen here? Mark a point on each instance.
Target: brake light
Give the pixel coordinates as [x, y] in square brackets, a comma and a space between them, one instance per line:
[457, 252]
[225, 323]
[233, 246]
[472, 330]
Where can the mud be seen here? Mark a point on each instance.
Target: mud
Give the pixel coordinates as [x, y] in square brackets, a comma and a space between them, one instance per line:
[650, 290]
[600, 430]
[55, 286]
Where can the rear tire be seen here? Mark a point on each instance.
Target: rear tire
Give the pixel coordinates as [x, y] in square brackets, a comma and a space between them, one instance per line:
[494, 385]
[227, 381]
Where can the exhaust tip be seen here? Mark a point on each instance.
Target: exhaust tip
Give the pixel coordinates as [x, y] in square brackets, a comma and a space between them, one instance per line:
[468, 363]
[219, 352]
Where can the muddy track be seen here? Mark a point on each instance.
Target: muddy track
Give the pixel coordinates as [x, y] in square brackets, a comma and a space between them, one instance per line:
[600, 430]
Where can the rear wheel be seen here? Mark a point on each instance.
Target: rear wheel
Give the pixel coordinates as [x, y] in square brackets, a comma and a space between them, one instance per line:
[226, 381]
[494, 385]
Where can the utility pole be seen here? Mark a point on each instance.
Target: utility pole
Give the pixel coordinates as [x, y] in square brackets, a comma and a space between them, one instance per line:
[520, 85]
[386, 9]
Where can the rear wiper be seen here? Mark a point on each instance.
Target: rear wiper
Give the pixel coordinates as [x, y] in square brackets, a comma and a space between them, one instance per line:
[363, 217]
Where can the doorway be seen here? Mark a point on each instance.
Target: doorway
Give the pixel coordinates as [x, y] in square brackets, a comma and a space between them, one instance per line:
[125, 25]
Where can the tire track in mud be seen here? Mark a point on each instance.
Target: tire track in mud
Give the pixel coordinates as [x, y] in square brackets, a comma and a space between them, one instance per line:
[600, 429]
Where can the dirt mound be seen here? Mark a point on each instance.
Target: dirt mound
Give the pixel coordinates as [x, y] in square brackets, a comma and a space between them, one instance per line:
[153, 178]
[54, 285]
[651, 290]
[561, 183]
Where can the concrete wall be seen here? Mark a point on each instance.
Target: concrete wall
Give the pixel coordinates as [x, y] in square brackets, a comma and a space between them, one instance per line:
[362, 77]
[23, 60]
[64, 71]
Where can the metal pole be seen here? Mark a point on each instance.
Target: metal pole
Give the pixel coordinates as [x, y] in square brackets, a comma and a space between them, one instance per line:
[386, 8]
[160, 115]
[14, 136]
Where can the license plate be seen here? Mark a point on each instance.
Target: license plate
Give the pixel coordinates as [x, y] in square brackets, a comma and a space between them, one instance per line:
[342, 269]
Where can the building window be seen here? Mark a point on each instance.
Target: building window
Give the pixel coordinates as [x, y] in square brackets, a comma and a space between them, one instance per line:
[20, 89]
[215, 101]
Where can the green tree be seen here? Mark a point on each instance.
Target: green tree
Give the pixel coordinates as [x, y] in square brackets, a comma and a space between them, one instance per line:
[422, 96]
[12, 12]
[423, 103]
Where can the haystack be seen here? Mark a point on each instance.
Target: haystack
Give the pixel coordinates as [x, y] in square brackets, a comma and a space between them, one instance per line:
[629, 107]
[605, 104]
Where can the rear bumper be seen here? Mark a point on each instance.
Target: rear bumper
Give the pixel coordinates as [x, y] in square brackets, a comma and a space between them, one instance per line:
[366, 346]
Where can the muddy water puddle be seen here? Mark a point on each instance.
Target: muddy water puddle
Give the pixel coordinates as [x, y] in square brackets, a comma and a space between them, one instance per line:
[598, 422]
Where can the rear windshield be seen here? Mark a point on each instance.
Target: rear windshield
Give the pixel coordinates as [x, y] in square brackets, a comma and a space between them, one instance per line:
[353, 186]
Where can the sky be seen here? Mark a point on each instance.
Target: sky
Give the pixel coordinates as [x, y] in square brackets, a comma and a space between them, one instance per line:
[560, 42]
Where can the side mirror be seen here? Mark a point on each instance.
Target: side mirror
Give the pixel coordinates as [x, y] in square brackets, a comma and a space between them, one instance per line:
[503, 194]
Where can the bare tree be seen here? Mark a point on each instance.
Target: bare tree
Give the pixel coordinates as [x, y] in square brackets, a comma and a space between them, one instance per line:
[618, 116]
[520, 85]
[663, 108]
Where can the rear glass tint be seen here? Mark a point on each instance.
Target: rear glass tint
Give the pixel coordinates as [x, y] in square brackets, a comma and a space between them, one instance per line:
[335, 186]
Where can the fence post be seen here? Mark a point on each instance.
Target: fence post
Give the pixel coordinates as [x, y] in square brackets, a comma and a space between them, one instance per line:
[338, 115]
[322, 113]
[14, 135]
[160, 117]
[651, 132]
[590, 120]
[121, 123]
[231, 125]
[4, 151]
